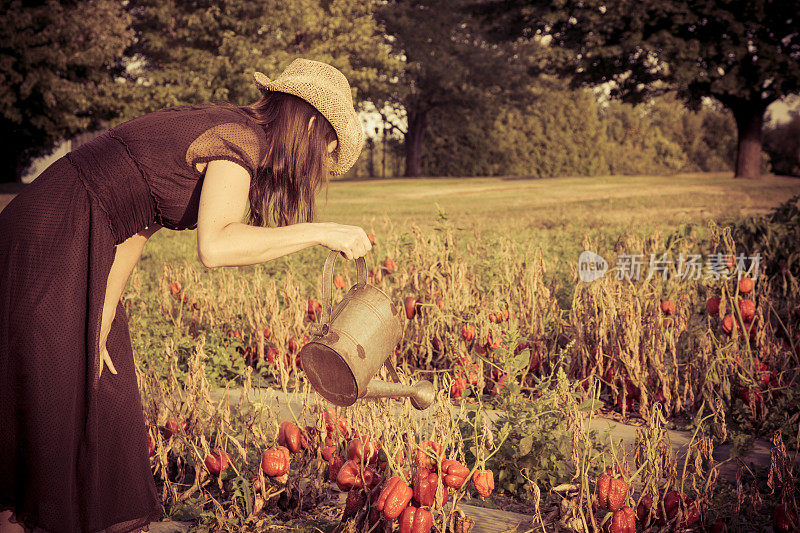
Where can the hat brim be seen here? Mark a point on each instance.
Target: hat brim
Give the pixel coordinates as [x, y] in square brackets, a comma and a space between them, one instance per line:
[349, 131]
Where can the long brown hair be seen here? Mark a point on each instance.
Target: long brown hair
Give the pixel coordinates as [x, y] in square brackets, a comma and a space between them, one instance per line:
[296, 164]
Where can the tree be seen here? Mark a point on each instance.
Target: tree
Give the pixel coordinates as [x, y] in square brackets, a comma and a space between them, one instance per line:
[58, 65]
[782, 142]
[744, 53]
[447, 64]
[199, 51]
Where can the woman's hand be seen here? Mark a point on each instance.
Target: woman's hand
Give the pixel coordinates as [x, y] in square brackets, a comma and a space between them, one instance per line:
[351, 241]
[106, 360]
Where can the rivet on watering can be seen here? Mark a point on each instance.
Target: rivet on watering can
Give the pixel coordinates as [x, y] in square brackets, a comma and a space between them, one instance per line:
[361, 353]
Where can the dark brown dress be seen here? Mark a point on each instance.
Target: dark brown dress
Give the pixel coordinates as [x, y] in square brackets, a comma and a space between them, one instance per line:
[73, 448]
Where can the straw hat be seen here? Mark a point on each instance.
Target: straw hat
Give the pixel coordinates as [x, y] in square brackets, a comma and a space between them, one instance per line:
[326, 88]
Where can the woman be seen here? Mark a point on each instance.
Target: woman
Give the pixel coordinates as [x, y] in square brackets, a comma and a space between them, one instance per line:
[72, 437]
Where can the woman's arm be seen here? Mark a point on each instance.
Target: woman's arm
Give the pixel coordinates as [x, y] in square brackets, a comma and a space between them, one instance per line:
[126, 256]
[223, 240]
[238, 244]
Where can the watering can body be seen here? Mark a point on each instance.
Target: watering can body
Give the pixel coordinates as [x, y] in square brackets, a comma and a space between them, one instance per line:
[354, 339]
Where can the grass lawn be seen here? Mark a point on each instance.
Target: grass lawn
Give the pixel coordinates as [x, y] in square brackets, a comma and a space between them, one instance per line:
[533, 208]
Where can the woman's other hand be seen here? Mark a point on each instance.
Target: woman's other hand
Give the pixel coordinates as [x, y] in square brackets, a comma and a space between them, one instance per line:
[106, 361]
[351, 241]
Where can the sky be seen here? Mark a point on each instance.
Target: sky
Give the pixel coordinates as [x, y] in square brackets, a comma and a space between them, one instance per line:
[779, 111]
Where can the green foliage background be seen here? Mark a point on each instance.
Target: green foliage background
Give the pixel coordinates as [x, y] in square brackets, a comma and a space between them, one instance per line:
[782, 142]
[70, 67]
[568, 132]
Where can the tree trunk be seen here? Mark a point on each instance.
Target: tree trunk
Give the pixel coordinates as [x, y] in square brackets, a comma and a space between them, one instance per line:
[749, 117]
[371, 161]
[417, 123]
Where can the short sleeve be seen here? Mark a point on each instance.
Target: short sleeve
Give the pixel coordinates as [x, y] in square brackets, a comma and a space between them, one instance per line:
[229, 141]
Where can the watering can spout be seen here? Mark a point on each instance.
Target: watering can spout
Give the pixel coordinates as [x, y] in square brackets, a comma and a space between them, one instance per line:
[422, 393]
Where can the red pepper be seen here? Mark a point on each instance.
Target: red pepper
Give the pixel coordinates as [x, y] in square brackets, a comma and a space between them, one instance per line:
[374, 480]
[473, 375]
[491, 345]
[669, 507]
[499, 384]
[173, 427]
[425, 483]
[457, 387]
[623, 521]
[334, 465]
[422, 459]
[328, 450]
[290, 436]
[611, 491]
[522, 346]
[643, 509]
[349, 476]
[692, 512]
[468, 332]
[217, 462]
[484, 482]
[399, 457]
[632, 390]
[534, 362]
[363, 449]
[712, 305]
[416, 520]
[671, 504]
[275, 461]
[314, 309]
[455, 474]
[603, 484]
[353, 504]
[394, 498]
[783, 520]
[334, 423]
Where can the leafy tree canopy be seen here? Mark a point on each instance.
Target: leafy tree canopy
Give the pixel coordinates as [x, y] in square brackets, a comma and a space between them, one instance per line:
[58, 64]
[729, 49]
[208, 50]
[744, 53]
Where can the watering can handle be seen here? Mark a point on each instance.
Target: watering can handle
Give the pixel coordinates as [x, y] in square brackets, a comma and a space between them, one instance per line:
[392, 370]
[327, 282]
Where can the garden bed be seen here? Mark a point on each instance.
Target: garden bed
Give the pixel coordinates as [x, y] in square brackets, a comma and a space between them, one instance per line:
[702, 377]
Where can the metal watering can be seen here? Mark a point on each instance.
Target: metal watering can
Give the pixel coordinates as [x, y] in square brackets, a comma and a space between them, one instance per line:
[352, 342]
